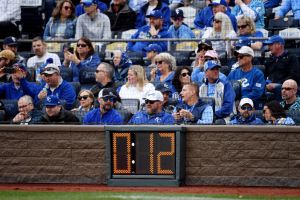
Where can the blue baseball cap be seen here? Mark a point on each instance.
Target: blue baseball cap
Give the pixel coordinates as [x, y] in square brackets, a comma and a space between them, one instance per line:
[153, 47]
[51, 100]
[10, 41]
[275, 39]
[156, 14]
[177, 13]
[218, 2]
[210, 64]
[163, 87]
[88, 3]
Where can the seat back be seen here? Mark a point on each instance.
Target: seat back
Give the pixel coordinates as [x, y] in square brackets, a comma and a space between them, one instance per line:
[210, 101]
[76, 86]
[127, 34]
[137, 58]
[110, 48]
[10, 107]
[189, 14]
[132, 105]
[183, 58]
[186, 46]
[2, 116]
[295, 115]
[66, 73]
[236, 85]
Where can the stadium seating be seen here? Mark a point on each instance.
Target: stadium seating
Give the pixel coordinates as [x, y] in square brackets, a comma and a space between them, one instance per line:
[66, 73]
[132, 105]
[189, 14]
[76, 86]
[87, 77]
[2, 116]
[11, 108]
[137, 58]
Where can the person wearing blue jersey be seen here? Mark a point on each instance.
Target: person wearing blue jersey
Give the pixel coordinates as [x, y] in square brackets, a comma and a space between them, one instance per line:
[154, 113]
[220, 90]
[179, 29]
[254, 9]
[205, 17]
[251, 78]
[105, 114]
[152, 31]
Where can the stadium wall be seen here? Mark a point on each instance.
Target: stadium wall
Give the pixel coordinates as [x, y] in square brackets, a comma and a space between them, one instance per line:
[215, 155]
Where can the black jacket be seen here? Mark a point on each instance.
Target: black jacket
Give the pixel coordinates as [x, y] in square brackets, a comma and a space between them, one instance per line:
[64, 117]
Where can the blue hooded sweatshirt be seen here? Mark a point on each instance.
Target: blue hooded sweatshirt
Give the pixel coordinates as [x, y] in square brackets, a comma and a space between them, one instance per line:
[121, 70]
[110, 117]
[143, 118]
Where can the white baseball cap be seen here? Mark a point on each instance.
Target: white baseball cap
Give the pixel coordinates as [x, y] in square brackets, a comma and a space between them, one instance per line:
[245, 50]
[51, 69]
[246, 101]
[154, 96]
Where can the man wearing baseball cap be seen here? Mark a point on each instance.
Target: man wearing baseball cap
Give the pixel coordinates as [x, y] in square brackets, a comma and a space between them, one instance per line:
[154, 113]
[55, 112]
[11, 43]
[153, 31]
[219, 89]
[280, 66]
[92, 24]
[179, 29]
[168, 103]
[105, 113]
[246, 115]
[7, 58]
[251, 79]
[151, 51]
[206, 16]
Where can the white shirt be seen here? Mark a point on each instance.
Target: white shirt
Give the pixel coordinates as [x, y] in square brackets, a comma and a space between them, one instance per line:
[37, 61]
[10, 10]
[132, 92]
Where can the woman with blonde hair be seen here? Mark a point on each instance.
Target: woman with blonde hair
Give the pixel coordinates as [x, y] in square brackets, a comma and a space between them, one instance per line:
[137, 85]
[222, 28]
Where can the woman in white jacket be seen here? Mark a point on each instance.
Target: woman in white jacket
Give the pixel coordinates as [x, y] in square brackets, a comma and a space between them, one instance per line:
[137, 85]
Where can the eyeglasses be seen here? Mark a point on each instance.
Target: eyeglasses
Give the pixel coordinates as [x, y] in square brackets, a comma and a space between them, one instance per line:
[149, 101]
[158, 62]
[246, 108]
[97, 71]
[108, 98]
[83, 97]
[240, 56]
[201, 48]
[185, 74]
[47, 75]
[23, 106]
[217, 21]
[287, 88]
[67, 8]
[242, 26]
[81, 45]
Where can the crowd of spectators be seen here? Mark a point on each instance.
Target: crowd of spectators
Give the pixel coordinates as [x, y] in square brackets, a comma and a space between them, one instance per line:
[165, 93]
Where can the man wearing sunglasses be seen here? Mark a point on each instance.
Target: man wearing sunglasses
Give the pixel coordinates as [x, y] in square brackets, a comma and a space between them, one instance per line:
[11, 43]
[154, 113]
[251, 79]
[289, 91]
[221, 90]
[246, 115]
[105, 114]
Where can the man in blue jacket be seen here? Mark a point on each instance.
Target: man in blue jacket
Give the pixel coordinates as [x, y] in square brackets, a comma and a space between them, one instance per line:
[220, 90]
[251, 79]
[153, 31]
[205, 17]
[286, 6]
[54, 85]
[154, 113]
[105, 114]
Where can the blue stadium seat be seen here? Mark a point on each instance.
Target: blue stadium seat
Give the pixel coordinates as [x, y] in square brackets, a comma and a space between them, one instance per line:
[76, 86]
[66, 73]
[137, 58]
[87, 77]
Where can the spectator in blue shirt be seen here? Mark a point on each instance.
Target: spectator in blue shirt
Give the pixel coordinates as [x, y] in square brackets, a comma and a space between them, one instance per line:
[79, 10]
[105, 114]
[154, 113]
[286, 6]
[193, 110]
[251, 79]
[205, 17]
[254, 9]
[179, 29]
[152, 31]
[84, 57]
[246, 115]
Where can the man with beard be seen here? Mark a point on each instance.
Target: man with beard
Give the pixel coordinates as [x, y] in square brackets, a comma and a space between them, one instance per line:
[246, 116]
[153, 31]
[105, 114]
[154, 113]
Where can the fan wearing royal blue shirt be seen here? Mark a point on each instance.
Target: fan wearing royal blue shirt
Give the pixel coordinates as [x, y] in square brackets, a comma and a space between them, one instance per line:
[154, 113]
[105, 114]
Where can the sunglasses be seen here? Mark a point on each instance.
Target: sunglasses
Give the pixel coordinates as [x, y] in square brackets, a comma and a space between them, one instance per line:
[83, 97]
[185, 74]
[249, 108]
[149, 101]
[67, 8]
[177, 18]
[23, 106]
[217, 21]
[47, 75]
[242, 26]
[97, 71]
[240, 56]
[287, 88]
[81, 45]
[205, 48]
[158, 62]
[111, 99]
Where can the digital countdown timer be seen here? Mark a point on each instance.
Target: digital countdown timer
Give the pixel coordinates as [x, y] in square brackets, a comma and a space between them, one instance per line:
[145, 156]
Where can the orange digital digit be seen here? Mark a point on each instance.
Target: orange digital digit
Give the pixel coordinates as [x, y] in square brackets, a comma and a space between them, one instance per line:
[116, 137]
[160, 155]
[151, 147]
